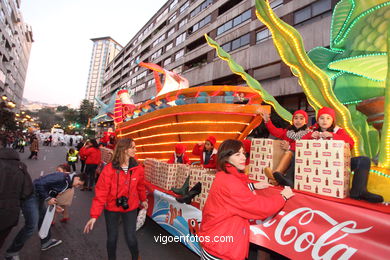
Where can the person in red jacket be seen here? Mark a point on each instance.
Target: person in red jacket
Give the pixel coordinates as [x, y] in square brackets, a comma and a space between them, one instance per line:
[290, 135]
[231, 203]
[207, 152]
[326, 128]
[93, 157]
[119, 190]
[179, 156]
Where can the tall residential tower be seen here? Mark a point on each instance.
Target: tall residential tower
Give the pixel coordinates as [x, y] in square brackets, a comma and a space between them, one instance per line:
[104, 51]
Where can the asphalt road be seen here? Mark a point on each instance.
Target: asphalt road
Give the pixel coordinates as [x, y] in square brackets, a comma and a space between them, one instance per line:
[77, 245]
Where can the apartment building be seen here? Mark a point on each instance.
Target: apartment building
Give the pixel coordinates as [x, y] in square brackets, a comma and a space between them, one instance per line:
[103, 52]
[16, 39]
[173, 38]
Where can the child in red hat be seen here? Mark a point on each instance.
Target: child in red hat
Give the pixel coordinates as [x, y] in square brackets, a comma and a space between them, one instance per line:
[326, 128]
[179, 156]
[207, 152]
[290, 135]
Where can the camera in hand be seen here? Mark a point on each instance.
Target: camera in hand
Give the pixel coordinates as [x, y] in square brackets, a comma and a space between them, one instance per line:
[122, 202]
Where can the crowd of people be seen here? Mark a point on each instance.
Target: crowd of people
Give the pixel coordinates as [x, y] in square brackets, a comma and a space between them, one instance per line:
[120, 188]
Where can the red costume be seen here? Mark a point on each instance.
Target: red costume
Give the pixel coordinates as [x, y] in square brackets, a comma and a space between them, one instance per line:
[229, 207]
[281, 133]
[338, 133]
[179, 149]
[199, 150]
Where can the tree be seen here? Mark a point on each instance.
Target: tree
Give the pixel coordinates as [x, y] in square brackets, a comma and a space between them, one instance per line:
[47, 118]
[71, 115]
[86, 112]
[62, 108]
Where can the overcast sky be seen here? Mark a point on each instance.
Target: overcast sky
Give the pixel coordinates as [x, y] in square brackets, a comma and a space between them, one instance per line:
[61, 52]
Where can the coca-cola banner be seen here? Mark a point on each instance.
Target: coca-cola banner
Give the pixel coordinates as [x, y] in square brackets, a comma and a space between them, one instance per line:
[314, 228]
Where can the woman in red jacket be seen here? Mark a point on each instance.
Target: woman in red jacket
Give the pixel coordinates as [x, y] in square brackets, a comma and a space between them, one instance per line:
[119, 190]
[93, 157]
[179, 156]
[207, 152]
[290, 135]
[326, 128]
[231, 204]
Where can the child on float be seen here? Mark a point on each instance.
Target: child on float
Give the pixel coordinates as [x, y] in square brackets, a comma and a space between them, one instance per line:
[290, 135]
[326, 128]
[207, 152]
[179, 156]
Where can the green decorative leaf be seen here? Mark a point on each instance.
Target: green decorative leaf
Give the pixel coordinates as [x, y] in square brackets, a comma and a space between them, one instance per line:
[372, 67]
[340, 15]
[321, 57]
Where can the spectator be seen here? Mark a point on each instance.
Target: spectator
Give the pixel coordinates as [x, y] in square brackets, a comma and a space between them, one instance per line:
[34, 148]
[34, 208]
[93, 157]
[16, 186]
[119, 190]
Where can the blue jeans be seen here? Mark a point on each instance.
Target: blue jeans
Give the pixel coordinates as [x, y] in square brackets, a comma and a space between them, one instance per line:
[34, 211]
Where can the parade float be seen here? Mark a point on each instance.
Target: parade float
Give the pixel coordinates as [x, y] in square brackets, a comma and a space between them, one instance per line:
[351, 76]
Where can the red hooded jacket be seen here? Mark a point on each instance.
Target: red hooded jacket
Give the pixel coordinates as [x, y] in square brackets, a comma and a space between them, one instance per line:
[131, 185]
[92, 155]
[199, 150]
[229, 207]
[179, 149]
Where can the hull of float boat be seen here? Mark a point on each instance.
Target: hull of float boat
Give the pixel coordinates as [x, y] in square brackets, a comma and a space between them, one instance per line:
[157, 132]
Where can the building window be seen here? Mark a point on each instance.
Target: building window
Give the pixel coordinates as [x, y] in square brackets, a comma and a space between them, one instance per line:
[181, 38]
[150, 82]
[173, 4]
[182, 22]
[169, 46]
[263, 35]
[184, 7]
[275, 4]
[161, 15]
[156, 54]
[201, 7]
[167, 61]
[179, 54]
[234, 22]
[312, 10]
[140, 87]
[237, 43]
[171, 19]
[200, 24]
[171, 31]
[159, 39]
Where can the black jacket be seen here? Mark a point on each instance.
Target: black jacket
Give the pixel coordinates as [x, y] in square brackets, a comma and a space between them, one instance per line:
[15, 186]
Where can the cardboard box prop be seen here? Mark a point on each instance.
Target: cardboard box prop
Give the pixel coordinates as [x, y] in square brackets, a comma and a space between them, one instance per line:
[323, 167]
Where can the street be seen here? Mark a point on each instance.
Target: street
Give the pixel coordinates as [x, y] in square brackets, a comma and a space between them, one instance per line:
[77, 245]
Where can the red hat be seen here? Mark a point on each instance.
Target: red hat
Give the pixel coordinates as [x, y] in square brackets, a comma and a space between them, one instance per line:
[212, 140]
[247, 145]
[327, 110]
[302, 112]
[180, 149]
